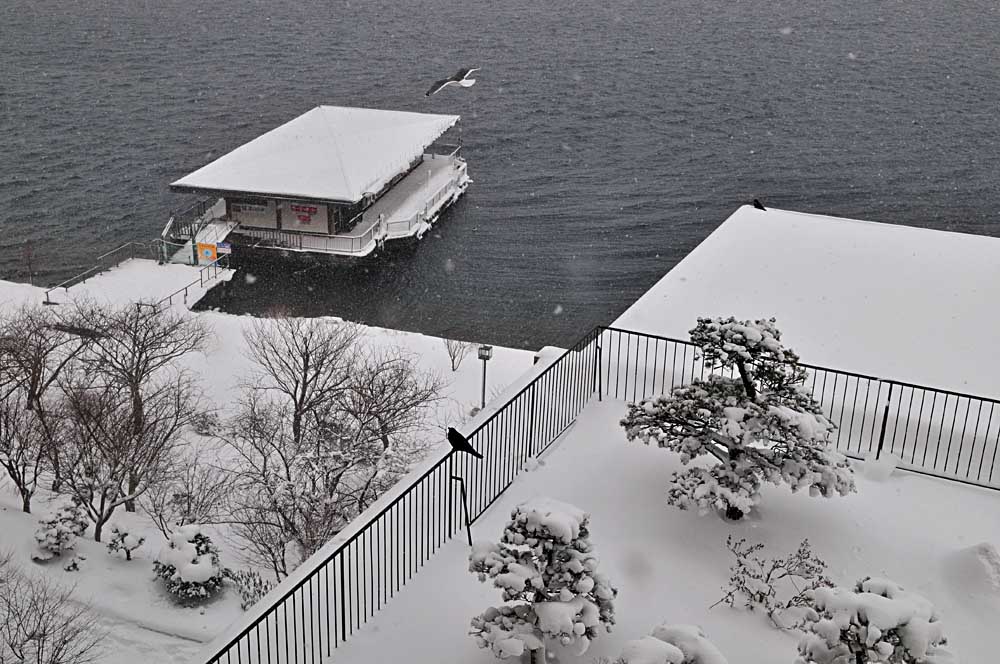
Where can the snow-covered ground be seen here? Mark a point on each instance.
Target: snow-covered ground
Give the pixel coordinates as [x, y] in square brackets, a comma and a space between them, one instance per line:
[143, 624]
[929, 535]
[131, 281]
[892, 301]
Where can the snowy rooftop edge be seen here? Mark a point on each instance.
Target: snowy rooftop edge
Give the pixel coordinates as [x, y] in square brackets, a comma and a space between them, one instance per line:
[850, 294]
[333, 153]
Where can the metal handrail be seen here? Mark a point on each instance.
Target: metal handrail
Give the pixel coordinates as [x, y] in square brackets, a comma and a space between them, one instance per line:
[213, 269]
[95, 269]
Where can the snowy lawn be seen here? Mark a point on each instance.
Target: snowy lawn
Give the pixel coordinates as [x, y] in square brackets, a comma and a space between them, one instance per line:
[670, 565]
[896, 302]
[142, 621]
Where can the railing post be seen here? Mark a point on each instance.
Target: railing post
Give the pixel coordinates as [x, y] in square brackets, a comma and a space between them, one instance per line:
[885, 421]
[533, 418]
[597, 367]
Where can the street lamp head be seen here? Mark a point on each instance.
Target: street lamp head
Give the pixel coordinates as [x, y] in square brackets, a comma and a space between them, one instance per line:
[485, 352]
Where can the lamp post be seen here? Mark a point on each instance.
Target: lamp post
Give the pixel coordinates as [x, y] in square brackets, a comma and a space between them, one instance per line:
[485, 353]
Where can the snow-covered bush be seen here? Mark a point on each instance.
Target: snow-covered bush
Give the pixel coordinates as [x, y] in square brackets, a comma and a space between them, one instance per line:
[250, 585]
[758, 581]
[189, 564]
[124, 542]
[762, 424]
[671, 644]
[546, 568]
[57, 531]
[876, 621]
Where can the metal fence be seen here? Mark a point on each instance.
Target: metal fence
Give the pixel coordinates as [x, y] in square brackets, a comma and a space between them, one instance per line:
[334, 599]
[932, 431]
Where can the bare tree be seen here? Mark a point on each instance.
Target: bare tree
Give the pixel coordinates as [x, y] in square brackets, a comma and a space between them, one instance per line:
[457, 350]
[130, 346]
[40, 623]
[22, 446]
[36, 348]
[303, 488]
[303, 362]
[193, 491]
[108, 462]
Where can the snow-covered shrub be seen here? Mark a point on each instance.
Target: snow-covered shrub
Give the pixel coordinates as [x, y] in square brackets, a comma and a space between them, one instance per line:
[671, 644]
[876, 621]
[57, 531]
[761, 424]
[250, 585]
[758, 581]
[546, 568]
[124, 542]
[189, 564]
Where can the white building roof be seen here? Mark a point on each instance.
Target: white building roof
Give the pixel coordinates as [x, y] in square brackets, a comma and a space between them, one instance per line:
[329, 153]
[891, 301]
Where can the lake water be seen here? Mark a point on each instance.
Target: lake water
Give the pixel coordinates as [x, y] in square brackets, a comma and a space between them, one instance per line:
[606, 139]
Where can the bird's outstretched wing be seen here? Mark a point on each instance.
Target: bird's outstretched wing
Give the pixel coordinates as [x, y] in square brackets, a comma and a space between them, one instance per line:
[462, 73]
[438, 85]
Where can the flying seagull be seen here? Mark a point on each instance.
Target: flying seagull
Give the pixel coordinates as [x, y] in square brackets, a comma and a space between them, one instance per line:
[460, 443]
[461, 77]
[757, 204]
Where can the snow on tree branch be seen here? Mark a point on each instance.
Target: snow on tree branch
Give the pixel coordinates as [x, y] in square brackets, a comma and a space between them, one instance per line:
[762, 426]
[547, 570]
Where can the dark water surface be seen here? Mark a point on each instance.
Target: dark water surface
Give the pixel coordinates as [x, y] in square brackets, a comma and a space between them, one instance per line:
[606, 139]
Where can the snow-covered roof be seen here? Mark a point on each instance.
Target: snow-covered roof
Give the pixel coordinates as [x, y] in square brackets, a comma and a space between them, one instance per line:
[892, 301]
[330, 153]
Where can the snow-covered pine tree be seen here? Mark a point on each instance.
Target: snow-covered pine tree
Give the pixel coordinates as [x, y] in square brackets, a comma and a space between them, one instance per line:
[57, 531]
[189, 564]
[546, 567]
[761, 423]
[876, 621]
[124, 542]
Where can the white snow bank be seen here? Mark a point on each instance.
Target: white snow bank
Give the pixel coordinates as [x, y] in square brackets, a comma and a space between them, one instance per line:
[879, 469]
[847, 294]
[691, 641]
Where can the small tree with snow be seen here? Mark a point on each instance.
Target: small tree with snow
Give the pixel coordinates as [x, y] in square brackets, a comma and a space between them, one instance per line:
[761, 424]
[672, 644]
[546, 568]
[876, 621]
[189, 565]
[124, 542]
[57, 531]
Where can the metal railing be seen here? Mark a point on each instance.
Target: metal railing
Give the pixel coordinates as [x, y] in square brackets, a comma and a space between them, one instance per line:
[932, 431]
[325, 605]
[404, 227]
[105, 262]
[343, 244]
[186, 223]
[205, 274]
